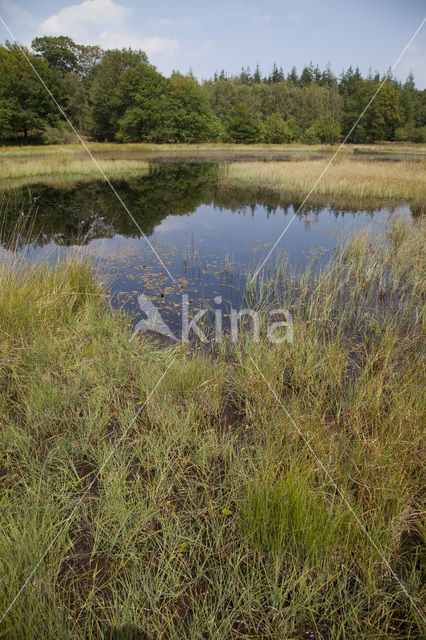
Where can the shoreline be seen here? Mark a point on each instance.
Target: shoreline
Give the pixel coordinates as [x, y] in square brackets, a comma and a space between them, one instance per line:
[212, 484]
[278, 169]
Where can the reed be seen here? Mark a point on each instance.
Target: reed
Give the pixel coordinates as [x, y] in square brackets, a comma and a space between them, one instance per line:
[62, 168]
[348, 178]
[211, 515]
[100, 147]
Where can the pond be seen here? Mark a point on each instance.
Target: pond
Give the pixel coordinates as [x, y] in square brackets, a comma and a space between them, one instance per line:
[208, 238]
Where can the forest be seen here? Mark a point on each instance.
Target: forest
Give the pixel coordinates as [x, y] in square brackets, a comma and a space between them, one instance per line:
[118, 95]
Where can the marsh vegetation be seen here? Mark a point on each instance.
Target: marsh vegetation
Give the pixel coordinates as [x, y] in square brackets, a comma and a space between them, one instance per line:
[360, 180]
[390, 172]
[234, 489]
[209, 514]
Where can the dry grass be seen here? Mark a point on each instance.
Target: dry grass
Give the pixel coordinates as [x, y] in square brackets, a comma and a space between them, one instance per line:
[62, 167]
[101, 147]
[105, 147]
[349, 177]
[362, 179]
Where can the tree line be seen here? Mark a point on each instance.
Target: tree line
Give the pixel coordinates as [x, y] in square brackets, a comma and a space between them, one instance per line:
[117, 95]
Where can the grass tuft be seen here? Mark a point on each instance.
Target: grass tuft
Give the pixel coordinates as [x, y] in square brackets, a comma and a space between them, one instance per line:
[344, 178]
[211, 517]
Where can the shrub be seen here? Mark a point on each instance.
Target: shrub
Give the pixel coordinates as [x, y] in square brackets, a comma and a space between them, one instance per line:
[401, 134]
[324, 130]
[419, 134]
[311, 136]
[275, 129]
[58, 135]
[242, 126]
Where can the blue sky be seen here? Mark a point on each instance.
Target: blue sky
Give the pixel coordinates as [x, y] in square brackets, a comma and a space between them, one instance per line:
[209, 36]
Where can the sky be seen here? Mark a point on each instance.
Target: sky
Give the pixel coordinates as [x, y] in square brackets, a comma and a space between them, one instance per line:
[207, 36]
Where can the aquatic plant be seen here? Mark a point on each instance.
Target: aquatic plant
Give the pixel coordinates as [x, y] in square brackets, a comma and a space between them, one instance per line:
[265, 490]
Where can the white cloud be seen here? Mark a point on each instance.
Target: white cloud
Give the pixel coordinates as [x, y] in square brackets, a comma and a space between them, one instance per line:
[103, 22]
[154, 44]
[295, 16]
[84, 18]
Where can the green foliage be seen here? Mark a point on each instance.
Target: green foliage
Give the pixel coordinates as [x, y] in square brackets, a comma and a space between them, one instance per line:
[60, 52]
[76, 102]
[383, 116]
[419, 134]
[25, 105]
[74, 62]
[141, 99]
[7, 118]
[324, 130]
[105, 90]
[65, 56]
[410, 132]
[192, 119]
[307, 76]
[292, 130]
[274, 129]
[157, 109]
[311, 136]
[280, 131]
[402, 134]
[286, 515]
[242, 126]
[315, 102]
[60, 134]
[117, 95]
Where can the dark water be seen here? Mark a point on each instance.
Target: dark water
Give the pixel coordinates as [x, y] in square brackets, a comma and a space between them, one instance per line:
[207, 238]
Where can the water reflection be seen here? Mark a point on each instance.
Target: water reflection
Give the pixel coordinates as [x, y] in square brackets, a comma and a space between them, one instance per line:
[207, 236]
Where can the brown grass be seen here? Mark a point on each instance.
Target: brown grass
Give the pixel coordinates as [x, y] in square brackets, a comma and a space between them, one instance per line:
[399, 181]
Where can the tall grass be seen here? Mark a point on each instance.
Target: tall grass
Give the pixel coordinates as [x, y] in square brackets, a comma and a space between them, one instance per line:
[349, 177]
[95, 147]
[361, 179]
[213, 518]
[62, 168]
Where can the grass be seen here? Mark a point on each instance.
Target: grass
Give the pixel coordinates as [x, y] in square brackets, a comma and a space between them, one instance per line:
[345, 178]
[351, 177]
[142, 147]
[61, 168]
[212, 518]
[96, 147]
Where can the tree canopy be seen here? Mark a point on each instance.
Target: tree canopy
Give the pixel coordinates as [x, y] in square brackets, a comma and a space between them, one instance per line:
[118, 95]
[25, 105]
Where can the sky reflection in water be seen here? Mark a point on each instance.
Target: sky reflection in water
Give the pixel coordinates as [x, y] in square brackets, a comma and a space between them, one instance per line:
[207, 238]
